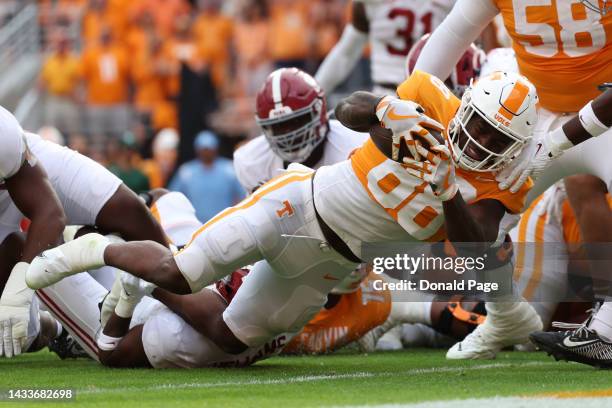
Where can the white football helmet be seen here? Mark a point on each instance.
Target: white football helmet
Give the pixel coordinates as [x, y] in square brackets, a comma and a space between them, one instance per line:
[595, 6]
[506, 101]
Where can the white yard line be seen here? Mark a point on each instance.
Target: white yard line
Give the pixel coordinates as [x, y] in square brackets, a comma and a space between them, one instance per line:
[308, 378]
[504, 402]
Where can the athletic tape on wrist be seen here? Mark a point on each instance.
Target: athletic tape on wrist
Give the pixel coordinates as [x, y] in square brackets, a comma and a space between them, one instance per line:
[590, 122]
[107, 343]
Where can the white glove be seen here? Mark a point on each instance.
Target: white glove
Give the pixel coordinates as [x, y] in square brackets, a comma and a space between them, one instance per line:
[404, 118]
[551, 203]
[133, 290]
[536, 156]
[15, 312]
[438, 170]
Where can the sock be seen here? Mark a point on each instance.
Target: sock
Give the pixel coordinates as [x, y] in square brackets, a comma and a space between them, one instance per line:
[411, 312]
[86, 252]
[417, 310]
[602, 321]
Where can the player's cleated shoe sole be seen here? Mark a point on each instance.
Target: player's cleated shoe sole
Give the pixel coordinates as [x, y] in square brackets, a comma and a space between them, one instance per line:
[487, 340]
[560, 345]
[65, 346]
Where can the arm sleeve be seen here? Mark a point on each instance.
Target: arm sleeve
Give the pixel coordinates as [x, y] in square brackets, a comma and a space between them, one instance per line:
[342, 58]
[12, 145]
[450, 40]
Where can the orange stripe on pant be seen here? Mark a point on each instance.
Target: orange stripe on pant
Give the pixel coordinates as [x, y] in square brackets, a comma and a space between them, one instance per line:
[522, 237]
[270, 186]
[536, 276]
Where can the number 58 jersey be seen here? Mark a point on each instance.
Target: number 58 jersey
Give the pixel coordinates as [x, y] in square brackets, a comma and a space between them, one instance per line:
[370, 198]
[563, 47]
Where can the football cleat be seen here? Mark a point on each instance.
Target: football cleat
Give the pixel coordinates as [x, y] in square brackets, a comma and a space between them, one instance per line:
[497, 331]
[82, 254]
[578, 343]
[65, 346]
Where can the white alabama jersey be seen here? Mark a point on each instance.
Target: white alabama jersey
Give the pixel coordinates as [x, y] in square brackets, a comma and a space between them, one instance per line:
[394, 26]
[12, 145]
[255, 162]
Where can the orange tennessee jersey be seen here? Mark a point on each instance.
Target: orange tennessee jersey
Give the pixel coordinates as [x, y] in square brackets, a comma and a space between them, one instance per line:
[354, 315]
[408, 200]
[564, 48]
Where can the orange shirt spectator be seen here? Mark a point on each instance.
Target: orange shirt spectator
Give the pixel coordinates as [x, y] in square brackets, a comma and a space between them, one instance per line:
[105, 70]
[251, 41]
[148, 80]
[326, 17]
[289, 29]
[60, 73]
[164, 12]
[151, 73]
[138, 34]
[102, 14]
[213, 33]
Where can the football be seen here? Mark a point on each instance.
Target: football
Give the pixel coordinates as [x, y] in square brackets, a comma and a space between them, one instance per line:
[382, 138]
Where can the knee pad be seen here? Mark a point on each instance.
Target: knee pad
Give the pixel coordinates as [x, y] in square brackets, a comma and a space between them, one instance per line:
[229, 242]
[217, 252]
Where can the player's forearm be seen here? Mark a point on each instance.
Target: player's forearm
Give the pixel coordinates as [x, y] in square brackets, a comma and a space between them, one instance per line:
[358, 111]
[588, 199]
[172, 301]
[33, 194]
[590, 122]
[44, 233]
[476, 224]
[460, 224]
[342, 58]
[111, 337]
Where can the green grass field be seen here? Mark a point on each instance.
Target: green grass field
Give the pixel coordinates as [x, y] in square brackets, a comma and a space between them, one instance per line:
[343, 379]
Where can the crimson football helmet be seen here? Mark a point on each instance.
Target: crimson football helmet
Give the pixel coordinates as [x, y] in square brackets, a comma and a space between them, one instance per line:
[291, 111]
[467, 68]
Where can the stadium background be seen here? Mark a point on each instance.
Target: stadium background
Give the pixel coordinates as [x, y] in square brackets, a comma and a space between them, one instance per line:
[110, 74]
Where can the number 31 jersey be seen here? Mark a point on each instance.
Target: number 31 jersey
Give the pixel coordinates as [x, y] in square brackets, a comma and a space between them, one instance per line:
[394, 26]
[371, 198]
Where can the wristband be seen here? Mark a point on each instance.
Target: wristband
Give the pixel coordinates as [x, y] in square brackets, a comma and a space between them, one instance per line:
[107, 343]
[590, 122]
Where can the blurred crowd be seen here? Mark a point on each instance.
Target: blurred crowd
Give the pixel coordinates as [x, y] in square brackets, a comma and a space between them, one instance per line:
[133, 83]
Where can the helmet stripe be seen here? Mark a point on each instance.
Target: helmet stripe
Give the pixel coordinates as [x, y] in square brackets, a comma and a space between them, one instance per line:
[510, 107]
[277, 95]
